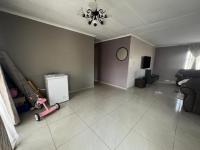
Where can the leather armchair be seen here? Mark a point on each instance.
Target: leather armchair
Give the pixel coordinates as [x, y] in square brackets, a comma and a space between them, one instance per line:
[191, 91]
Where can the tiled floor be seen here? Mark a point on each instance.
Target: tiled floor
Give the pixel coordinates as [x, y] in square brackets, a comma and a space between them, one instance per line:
[106, 118]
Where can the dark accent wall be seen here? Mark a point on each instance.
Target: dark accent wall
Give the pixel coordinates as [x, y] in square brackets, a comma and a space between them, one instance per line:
[38, 49]
[96, 62]
[111, 70]
[168, 60]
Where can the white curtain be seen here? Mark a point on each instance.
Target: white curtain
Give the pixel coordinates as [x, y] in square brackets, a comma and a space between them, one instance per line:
[193, 57]
[190, 59]
[195, 49]
[10, 128]
[197, 65]
[195, 52]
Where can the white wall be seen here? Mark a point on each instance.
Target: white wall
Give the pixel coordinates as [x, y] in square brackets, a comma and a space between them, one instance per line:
[137, 50]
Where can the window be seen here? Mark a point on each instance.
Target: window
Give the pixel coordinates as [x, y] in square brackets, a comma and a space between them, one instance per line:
[197, 66]
[190, 59]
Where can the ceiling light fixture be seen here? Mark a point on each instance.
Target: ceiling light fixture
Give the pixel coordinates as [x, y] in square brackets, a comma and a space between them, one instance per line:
[93, 14]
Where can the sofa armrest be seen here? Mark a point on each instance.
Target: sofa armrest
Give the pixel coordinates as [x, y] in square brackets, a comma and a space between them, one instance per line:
[191, 91]
[187, 90]
[193, 84]
[179, 75]
[189, 98]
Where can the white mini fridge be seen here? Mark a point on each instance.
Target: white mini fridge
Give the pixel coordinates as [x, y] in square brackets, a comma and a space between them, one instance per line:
[57, 88]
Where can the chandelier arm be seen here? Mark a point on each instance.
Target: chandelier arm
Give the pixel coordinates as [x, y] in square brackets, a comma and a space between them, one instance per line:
[92, 16]
[89, 11]
[102, 14]
[89, 14]
[99, 19]
[102, 11]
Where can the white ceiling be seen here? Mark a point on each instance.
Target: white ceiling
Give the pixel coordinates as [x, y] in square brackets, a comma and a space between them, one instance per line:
[160, 22]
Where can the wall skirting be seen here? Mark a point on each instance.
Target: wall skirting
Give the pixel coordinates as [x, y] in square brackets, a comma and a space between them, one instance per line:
[126, 35]
[101, 82]
[166, 81]
[116, 86]
[81, 89]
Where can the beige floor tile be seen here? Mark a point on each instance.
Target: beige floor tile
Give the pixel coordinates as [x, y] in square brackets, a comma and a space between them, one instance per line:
[64, 111]
[91, 115]
[65, 128]
[136, 141]
[188, 134]
[110, 104]
[82, 103]
[168, 120]
[29, 125]
[133, 119]
[156, 131]
[185, 143]
[39, 140]
[127, 114]
[110, 131]
[190, 123]
[84, 141]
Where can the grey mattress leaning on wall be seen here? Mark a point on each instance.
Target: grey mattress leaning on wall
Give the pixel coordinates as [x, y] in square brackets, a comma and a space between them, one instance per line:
[18, 78]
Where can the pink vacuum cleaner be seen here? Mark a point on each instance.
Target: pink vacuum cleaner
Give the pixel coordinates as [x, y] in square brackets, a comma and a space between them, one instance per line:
[47, 111]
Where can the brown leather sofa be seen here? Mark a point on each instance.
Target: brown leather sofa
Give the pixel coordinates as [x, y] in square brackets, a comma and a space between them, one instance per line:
[191, 91]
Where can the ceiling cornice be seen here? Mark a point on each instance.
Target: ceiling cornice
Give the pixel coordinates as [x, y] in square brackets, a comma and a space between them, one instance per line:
[46, 22]
[126, 35]
[114, 38]
[174, 45]
[141, 39]
[71, 29]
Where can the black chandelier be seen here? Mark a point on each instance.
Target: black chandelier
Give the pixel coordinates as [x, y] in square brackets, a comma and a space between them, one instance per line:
[94, 15]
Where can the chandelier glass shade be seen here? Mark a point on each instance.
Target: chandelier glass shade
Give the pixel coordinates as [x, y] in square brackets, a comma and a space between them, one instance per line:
[94, 15]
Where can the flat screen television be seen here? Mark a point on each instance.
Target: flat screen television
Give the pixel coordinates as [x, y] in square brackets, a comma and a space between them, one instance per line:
[146, 62]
